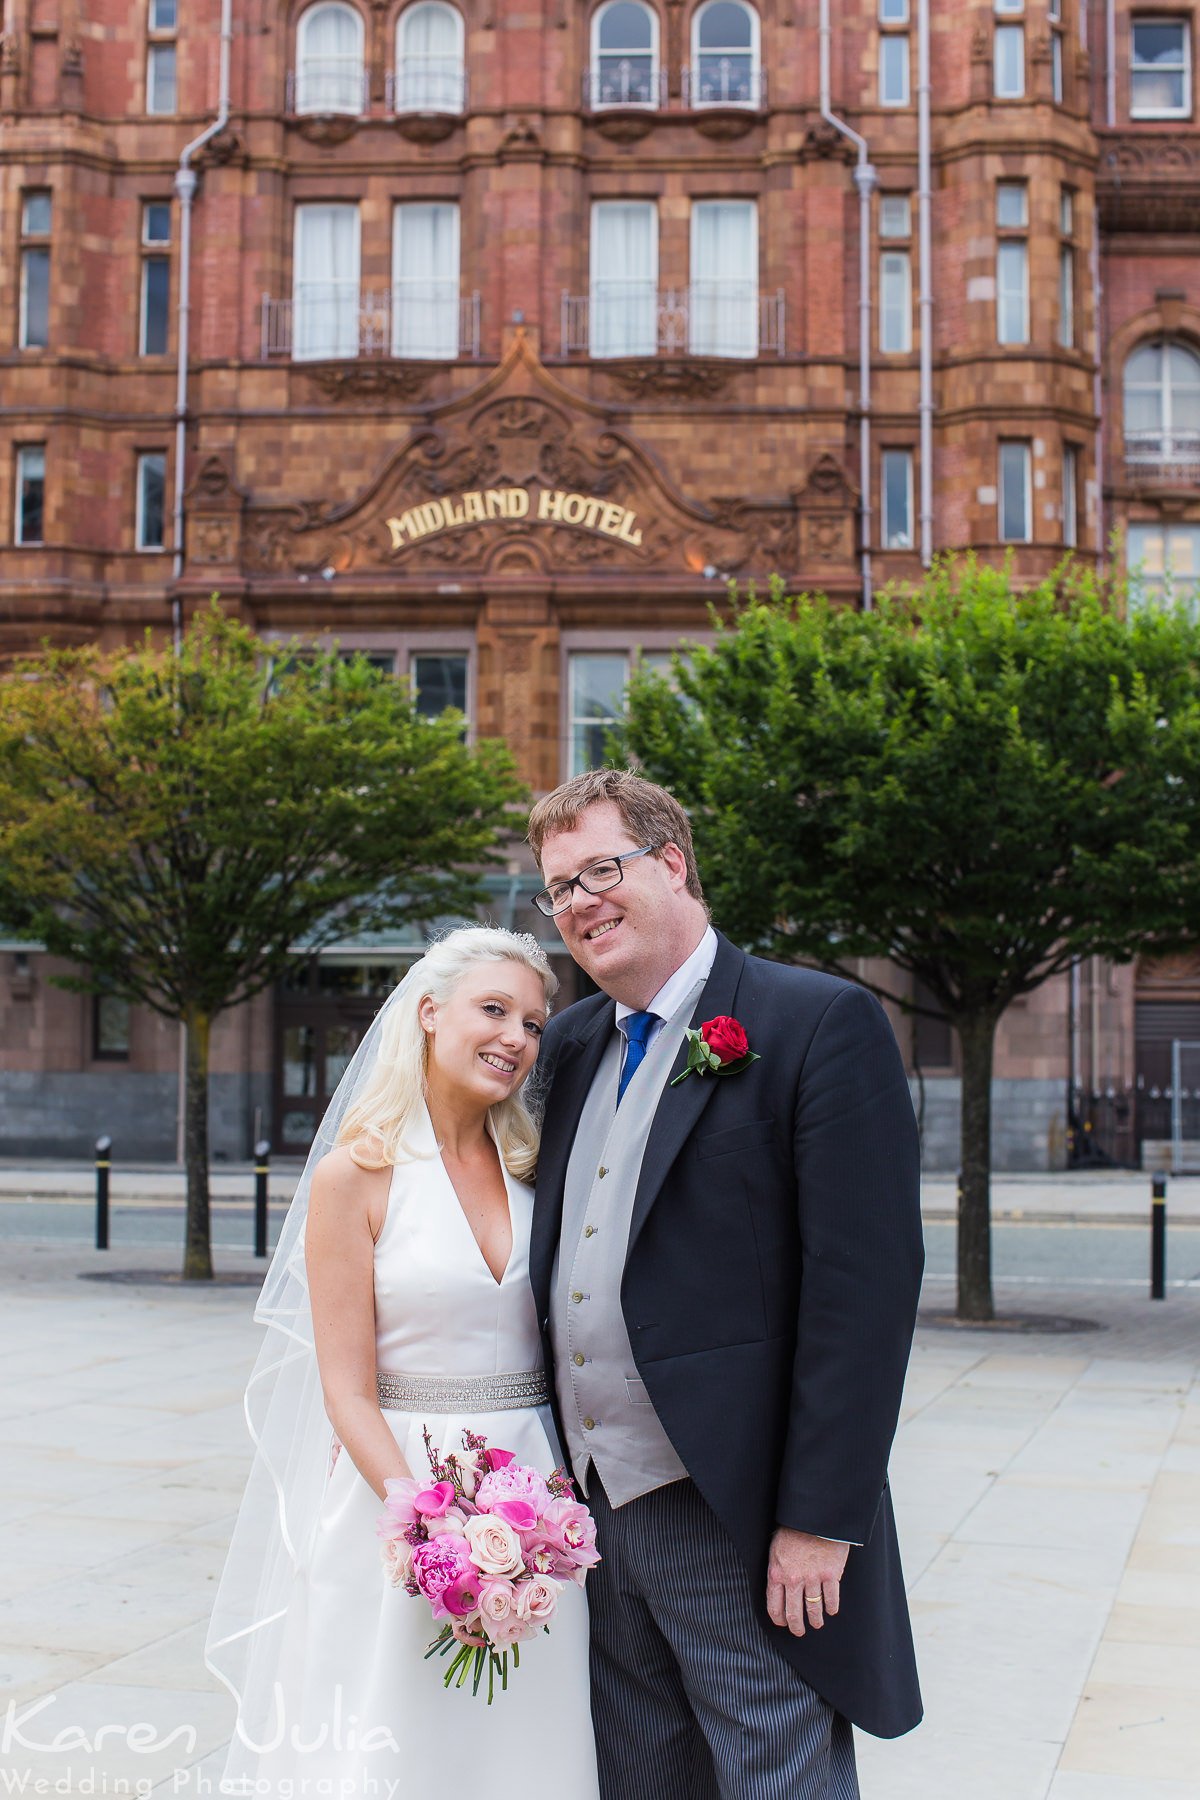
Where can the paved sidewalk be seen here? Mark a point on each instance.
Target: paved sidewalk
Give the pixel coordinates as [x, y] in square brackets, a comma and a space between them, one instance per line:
[1113, 1195]
[1047, 1484]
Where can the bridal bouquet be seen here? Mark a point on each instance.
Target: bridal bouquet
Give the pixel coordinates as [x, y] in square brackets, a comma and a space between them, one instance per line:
[489, 1544]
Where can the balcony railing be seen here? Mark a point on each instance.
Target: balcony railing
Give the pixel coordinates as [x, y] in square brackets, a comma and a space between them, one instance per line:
[632, 81]
[328, 84]
[431, 84]
[1172, 457]
[710, 318]
[327, 321]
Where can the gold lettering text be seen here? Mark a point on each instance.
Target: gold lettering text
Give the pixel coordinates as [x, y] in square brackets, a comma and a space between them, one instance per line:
[574, 507]
[550, 503]
[494, 498]
[518, 502]
[627, 531]
[473, 507]
[610, 518]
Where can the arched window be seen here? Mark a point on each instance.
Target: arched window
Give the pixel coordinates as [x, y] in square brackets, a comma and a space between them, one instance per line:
[624, 55]
[329, 60]
[1162, 403]
[726, 68]
[430, 71]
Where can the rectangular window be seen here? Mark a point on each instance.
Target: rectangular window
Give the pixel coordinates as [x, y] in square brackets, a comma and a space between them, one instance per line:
[1008, 6]
[34, 323]
[1008, 67]
[31, 494]
[156, 222]
[595, 703]
[623, 306]
[1066, 213]
[164, 15]
[110, 1028]
[893, 69]
[1070, 496]
[1012, 205]
[1012, 291]
[1054, 10]
[897, 485]
[156, 305]
[893, 12]
[160, 79]
[425, 256]
[150, 523]
[325, 278]
[439, 681]
[723, 311]
[1016, 500]
[1160, 71]
[895, 301]
[1164, 564]
[1066, 296]
[895, 216]
[1056, 67]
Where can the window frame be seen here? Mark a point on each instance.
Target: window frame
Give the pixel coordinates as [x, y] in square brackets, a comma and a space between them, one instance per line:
[1168, 434]
[144, 457]
[757, 85]
[423, 104]
[901, 256]
[336, 353]
[696, 344]
[156, 252]
[116, 1056]
[607, 642]
[886, 40]
[1011, 34]
[905, 453]
[1164, 590]
[596, 336]
[1072, 462]
[303, 27]
[22, 452]
[1184, 23]
[1026, 448]
[407, 354]
[596, 104]
[1012, 237]
[155, 49]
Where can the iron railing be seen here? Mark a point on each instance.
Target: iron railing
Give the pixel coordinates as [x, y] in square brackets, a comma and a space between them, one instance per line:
[328, 84]
[625, 81]
[725, 81]
[1163, 456]
[709, 318]
[633, 81]
[430, 84]
[333, 321]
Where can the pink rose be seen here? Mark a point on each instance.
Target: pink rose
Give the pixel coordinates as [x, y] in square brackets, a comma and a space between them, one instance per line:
[431, 1502]
[513, 1482]
[439, 1562]
[522, 1515]
[495, 1601]
[495, 1548]
[452, 1523]
[537, 1599]
[506, 1631]
[397, 1561]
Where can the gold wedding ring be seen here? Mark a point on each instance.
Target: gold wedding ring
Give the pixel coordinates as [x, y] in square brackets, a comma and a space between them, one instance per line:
[813, 1599]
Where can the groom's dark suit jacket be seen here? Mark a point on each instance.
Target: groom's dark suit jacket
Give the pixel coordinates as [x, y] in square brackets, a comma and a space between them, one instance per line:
[770, 1289]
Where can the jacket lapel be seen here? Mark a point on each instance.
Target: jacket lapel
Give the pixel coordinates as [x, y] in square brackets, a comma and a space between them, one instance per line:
[680, 1107]
[579, 1059]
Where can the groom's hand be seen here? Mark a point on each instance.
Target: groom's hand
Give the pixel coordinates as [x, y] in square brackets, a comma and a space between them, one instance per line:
[804, 1576]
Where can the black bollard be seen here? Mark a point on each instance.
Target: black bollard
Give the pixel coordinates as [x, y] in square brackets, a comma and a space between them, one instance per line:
[103, 1165]
[262, 1154]
[1158, 1238]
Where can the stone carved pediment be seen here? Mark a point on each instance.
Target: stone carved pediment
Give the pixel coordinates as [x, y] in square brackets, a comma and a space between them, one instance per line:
[522, 476]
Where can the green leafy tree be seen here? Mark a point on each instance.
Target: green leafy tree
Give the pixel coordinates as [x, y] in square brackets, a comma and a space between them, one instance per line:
[176, 824]
[979, 785]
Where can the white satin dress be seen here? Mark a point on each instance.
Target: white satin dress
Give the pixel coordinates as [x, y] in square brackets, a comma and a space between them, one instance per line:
[354, 1682]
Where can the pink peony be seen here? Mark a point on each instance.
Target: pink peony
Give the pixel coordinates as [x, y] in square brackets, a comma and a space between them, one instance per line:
[439, 1562]
[537, 1599]
[431, 1502]
[512, 1482]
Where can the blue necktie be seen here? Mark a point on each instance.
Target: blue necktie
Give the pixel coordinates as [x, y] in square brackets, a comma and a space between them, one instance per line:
[637, 1030]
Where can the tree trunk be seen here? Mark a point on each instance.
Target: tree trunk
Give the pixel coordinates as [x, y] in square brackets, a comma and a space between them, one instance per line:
[197, 1254]
[977, 1036]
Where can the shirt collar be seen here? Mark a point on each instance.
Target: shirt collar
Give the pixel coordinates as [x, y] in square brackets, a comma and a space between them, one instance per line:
[675, 990]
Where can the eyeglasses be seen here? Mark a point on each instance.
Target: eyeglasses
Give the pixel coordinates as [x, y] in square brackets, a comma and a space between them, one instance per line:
[597, 878]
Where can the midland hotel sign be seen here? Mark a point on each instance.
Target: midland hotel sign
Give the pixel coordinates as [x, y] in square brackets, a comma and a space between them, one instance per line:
[541, 506]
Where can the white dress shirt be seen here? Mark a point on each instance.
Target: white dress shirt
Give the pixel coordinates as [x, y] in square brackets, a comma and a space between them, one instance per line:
[675, 988]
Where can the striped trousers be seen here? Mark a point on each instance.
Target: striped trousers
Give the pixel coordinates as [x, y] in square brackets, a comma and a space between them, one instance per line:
[690, 1698]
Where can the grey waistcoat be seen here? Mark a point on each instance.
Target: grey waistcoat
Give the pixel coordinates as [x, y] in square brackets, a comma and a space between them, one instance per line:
[607, 1415]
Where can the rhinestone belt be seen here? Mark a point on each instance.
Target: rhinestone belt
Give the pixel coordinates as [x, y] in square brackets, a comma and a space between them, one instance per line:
[469, 1393]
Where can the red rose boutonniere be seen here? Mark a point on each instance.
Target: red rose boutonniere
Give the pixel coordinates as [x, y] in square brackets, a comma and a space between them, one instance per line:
[719, 1046]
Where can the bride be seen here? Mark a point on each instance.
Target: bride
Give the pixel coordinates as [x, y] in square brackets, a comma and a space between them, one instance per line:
[398, 1299]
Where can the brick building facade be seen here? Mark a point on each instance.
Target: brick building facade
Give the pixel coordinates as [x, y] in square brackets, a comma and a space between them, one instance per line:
[514, 329]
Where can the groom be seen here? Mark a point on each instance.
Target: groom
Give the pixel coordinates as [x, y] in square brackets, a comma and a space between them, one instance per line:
[726, 1267]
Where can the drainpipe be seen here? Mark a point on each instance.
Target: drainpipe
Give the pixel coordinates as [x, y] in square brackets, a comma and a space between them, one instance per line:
[1098, 383]
[925, 296]
[866, 180]
[1110, 55]
[185, 187]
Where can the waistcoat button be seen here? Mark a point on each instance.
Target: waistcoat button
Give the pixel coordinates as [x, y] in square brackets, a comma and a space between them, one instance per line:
[589, 1424]
[577, 1359]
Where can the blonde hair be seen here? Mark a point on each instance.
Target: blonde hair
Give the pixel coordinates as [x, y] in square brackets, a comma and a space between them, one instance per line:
[376, 1125]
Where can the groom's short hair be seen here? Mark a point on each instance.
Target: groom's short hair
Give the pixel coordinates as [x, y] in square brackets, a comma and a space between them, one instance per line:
[649, 813]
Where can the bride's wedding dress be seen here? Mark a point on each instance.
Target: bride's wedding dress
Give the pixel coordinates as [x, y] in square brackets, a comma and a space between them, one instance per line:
[358, 1711]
